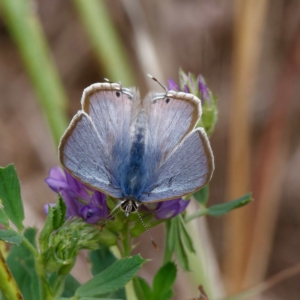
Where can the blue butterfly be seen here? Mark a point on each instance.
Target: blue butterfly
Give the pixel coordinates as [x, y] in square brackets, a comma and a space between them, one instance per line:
[138, 151]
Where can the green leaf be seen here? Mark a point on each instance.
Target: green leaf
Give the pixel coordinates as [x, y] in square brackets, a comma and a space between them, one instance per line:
[179, 247]
[89, 298]
[182, 255]
[185, 235]
[59, 213]
[201, 196]
[101, 259]
[21, 263]
[47, 229]
[4, 218]
[71, 285]
[11, 236]
[221, 209]
[111, 279]
[163, 281]
[171, 236]
[141, 288]
[10, 195]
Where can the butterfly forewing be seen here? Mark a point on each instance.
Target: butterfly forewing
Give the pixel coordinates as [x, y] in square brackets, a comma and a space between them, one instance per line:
[171, 117]
[110, 107]
[186, 170]
[83, 153]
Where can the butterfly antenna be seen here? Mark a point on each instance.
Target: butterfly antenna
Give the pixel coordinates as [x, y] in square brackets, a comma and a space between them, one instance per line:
[153, 78]
[153, 243]
[112, 215]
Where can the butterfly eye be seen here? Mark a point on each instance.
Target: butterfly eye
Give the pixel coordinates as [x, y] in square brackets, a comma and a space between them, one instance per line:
[167, 100]
[118, 94]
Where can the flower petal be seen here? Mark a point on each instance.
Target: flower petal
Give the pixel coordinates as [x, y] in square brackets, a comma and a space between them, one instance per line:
[171, 208]
[71, 204]
[203, 89]
[172, 85]
[77, 187]
[56, 180]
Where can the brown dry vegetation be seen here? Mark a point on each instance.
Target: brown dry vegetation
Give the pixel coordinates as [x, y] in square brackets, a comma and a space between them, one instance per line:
[201, 37]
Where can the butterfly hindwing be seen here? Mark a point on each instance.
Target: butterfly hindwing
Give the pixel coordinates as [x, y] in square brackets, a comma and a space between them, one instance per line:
[188, 168]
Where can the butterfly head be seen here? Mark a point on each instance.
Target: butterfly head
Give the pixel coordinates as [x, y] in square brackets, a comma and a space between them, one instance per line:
[129, 206]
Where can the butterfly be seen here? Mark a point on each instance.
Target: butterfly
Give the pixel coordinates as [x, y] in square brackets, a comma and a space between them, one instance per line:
[137, 150]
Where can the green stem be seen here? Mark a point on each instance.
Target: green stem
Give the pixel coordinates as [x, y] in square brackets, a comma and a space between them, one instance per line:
[126, 240]
[30, 247]
[8, 286]
[129, 289]
[105, 40]
[45, 286]
[199, 213]
[26, 30]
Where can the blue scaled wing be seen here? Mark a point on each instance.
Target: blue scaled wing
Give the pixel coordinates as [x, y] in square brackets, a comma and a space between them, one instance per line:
[188, 168]
[91, 147]
[171, 117]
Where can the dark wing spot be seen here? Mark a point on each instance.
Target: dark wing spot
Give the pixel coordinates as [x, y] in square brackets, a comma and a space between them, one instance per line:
[167, 100]
[170, 181]
[129, 97]
[118, 94]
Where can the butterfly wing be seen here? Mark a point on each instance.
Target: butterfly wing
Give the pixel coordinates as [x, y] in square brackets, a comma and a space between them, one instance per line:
[188, 168]
[171, 117]
[98, 138]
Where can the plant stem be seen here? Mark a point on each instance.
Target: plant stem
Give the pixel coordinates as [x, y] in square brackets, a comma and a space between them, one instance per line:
[8, 285]
[199, 213]
[126, 240]
[30, 247]
[105, 40]
[28, 35]
[45, 286]
[130, 293]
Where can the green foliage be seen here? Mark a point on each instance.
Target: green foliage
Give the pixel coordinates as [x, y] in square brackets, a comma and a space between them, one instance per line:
[59, 213]
[224, 208]
[26, 31]
[162, 284]
[22, 265]
[113, 278]
[209, 115]
[141, 288]
[4, 218]
[11, 236]
[10, 195]
[105, 41]
[55, 219]
[221, 209]
[71, 285]
[202, 195]
[101, 259]
[178, 241]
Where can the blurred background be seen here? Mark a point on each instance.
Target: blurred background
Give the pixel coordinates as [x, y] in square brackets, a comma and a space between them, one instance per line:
[249, 53]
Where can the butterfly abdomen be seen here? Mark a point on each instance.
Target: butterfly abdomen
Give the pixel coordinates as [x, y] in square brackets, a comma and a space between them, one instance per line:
[134, 179]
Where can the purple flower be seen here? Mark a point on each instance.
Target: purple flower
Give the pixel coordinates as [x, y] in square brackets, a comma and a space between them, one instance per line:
[190, 84]
[81, 201]
[203, 89]
[167, 209]
[172, 85]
